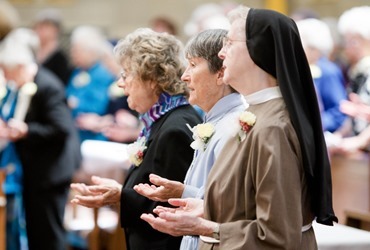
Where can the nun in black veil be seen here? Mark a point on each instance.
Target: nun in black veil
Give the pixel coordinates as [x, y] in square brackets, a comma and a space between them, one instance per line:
[273, 179]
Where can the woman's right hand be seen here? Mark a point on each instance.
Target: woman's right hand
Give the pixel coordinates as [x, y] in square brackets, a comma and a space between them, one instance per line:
[103, 192]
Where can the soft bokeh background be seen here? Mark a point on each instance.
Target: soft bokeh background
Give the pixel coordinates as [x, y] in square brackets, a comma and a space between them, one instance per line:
[119, 17]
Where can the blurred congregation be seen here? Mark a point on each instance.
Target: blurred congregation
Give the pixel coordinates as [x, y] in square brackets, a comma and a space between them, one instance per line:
[79, 123]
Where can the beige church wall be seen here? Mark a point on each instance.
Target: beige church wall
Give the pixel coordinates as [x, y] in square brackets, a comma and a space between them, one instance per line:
[119, 17]
[116, 17]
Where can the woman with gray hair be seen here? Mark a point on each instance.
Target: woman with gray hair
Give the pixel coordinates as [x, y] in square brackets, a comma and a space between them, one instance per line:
[354, 27]
[152, 64]
[220, 102]
[89, 81]
[328, 78]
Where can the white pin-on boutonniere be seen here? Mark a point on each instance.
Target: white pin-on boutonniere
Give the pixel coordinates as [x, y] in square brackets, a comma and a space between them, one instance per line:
[246, 122]
[202, 133]
[136, 151]
[83, 78]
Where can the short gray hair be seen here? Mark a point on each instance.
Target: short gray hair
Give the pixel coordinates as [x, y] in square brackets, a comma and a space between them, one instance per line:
[206, 45]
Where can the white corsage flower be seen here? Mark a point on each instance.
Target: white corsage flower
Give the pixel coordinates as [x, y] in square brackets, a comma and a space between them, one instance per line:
[82, 79]
[202, 133]
[136, 151]
[246, 121]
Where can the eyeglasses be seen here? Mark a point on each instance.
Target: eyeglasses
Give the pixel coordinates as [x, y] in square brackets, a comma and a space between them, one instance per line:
[227, 42]
[123, 75]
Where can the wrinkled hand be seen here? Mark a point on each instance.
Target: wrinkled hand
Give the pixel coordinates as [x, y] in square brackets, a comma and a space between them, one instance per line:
[351, 145]
[186, 219]
[162, 190]
[103, 192]
[355, 107]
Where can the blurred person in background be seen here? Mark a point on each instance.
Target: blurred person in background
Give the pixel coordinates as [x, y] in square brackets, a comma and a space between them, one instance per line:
[87, 89]
[163, 24]
[152, 64]
[206, 16]
[45, 138]
[353, 25]
[328, 78]
[304, 13]
[48, 26]
[355, 108]
[119, 123]
[9, 159]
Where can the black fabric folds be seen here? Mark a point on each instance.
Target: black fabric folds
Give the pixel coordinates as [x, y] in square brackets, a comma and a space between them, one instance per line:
[274, 45]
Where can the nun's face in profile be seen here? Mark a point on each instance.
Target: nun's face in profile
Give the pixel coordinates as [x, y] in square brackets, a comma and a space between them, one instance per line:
[237, 62]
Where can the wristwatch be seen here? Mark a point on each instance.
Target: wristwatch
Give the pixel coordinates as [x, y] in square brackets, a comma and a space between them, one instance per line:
[216, 232]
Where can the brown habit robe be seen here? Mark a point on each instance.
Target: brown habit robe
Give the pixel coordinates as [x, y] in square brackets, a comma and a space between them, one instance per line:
[257, 188]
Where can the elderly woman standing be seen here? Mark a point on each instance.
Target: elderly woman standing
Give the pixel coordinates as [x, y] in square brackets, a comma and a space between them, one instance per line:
[328, 78]
[222, 105]
[87, 89]
[152, 67]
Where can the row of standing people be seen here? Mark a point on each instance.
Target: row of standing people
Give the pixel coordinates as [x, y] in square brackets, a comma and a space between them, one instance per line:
[255, 170]
[260, 162]
[141, 111]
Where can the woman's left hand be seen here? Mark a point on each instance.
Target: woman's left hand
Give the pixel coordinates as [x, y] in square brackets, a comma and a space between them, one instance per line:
[183, 220]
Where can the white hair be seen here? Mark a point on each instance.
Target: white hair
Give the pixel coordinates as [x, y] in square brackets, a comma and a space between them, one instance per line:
[89, 37]
[206, 16]
[355, 21]
[316, 34]
[24, 36]
[14, 54]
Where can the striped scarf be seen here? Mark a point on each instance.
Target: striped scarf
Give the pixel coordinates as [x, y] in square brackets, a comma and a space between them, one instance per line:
[165, 103]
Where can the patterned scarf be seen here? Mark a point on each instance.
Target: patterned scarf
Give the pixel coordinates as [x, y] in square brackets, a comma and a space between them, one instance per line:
[165, 103]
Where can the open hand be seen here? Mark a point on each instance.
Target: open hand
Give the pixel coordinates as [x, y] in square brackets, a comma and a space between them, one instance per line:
[103, 192]
[161, 190]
